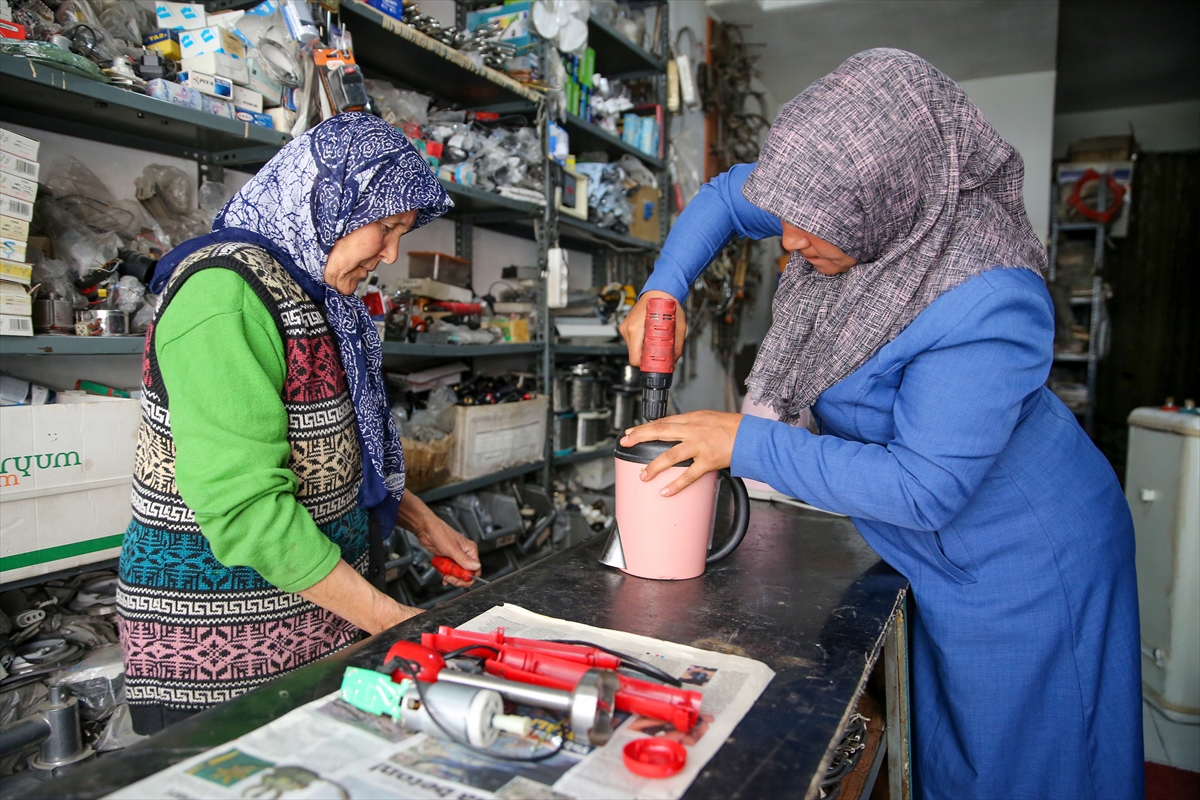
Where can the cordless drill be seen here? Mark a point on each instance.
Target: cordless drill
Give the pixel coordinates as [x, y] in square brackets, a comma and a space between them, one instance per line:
[658, 357]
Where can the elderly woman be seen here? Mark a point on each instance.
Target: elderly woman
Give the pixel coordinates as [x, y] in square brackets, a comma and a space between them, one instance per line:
[913, 321]
[268, 464]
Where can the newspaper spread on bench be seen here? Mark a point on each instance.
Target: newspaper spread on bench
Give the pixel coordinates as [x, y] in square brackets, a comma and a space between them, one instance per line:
[328, 749]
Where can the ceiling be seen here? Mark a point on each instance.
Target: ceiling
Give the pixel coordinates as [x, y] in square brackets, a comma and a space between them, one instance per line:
[1114, 53]
[966, 39]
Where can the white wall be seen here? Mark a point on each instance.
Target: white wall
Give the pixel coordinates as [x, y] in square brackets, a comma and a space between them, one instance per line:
[1021, 107]
[1158, 128]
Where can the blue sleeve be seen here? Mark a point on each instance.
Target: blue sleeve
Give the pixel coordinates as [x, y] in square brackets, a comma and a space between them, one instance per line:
[955, 409]
[716, 212]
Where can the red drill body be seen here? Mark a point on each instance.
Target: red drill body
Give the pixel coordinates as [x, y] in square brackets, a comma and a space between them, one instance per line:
[658, 357]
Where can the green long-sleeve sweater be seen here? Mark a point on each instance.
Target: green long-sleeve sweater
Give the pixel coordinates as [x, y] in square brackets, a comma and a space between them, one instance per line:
[223, 364]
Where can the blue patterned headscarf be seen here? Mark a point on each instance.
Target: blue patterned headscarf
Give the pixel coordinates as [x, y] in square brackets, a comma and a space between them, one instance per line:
[347, 172]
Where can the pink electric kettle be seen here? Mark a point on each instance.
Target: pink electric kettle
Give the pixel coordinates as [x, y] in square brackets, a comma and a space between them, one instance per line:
[669, 538]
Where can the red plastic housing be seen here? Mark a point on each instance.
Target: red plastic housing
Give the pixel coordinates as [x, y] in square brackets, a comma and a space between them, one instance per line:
[658, 343]
[431, 661]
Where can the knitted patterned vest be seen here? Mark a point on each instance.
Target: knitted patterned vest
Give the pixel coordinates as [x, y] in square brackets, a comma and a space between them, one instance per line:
[194, 632]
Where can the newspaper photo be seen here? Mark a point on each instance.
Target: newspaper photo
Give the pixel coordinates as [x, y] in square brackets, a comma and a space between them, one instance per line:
[329, 749]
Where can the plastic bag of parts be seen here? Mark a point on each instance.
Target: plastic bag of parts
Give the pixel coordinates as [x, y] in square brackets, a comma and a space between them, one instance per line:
[637, 171]
[145, 315]
[608, 205]
[98, 681]
[211, 198]
[130, 292]
[166, 193]
[86, 631]
[86, 252]
[685, 160]
[55, 280]
[436, 420]
[15, 705]
[126, 21]
[118, 733]
[398, 106]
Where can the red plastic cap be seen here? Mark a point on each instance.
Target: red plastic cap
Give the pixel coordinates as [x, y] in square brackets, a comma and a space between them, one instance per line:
[654, 758]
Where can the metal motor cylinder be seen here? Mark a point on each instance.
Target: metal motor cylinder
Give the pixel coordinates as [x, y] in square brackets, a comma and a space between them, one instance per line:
[466, 711]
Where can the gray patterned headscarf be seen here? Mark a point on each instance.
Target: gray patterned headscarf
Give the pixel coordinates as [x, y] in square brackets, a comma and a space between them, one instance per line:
[888, 159]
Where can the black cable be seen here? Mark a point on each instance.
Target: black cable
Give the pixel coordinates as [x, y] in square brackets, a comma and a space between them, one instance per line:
[413, 668]
[462, 650]
[629, 662]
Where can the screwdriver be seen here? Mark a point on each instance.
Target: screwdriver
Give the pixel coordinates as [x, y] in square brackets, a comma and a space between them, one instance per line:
[447, 566]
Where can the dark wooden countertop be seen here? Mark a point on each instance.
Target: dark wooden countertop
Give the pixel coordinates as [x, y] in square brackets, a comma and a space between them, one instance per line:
[803, 594]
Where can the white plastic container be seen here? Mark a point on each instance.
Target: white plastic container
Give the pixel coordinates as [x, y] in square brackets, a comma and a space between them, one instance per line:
[491, 438]
[66, 472]
[1162, 485]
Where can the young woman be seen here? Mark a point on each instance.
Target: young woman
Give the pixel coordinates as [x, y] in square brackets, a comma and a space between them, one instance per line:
[913, 321]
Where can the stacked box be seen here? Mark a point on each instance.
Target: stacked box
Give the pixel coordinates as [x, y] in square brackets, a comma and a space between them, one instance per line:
[18, 190]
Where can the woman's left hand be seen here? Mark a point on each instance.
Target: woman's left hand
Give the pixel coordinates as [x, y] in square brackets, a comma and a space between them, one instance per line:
[437, 537]
[706, 437]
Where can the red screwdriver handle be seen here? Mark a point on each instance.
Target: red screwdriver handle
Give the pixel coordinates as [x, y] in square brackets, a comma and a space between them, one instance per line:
[447, 566]
[658, 343]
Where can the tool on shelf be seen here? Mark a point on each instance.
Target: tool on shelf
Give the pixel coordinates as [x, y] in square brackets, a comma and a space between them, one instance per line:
[447, 566]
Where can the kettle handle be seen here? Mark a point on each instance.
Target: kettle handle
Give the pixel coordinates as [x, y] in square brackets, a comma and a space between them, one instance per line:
[741, 516]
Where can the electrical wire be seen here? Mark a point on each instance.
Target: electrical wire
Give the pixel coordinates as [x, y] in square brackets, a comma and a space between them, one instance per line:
[413, 668]
[629, 662]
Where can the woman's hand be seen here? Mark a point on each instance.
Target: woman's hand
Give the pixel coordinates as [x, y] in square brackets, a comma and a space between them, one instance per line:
[634, 327]
[437, 537]
[706, 437]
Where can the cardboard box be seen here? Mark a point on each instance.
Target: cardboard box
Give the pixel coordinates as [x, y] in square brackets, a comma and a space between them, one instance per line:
[436, 290]
[16, 208]
[165, 42]
[491, 438]
[66, 472]
[16, 303]
[210, 85]
[180, 16]
[18, 145]
[261, 82]
[173, 92]
[247, 99]
[221, 65]
[13, 228]
[21, 167]
[12, 250]
[440, 267]
[16, 271]
[647, 202]
[253, 117]
[212, 39]
[215, 105]
[15, 325]
[20, 188]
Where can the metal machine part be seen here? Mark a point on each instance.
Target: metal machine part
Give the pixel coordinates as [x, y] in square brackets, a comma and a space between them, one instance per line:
[562, 393]
[625, 406]
[583, 387]
[593, 429]
[56, 726]
[589, 707]
[470, 713]
[565, 427]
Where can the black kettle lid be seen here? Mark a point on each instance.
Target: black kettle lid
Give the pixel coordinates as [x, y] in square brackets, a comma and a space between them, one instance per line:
[645, 452]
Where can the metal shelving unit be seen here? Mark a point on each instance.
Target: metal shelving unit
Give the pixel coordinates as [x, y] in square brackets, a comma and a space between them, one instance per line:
[608, 349]
[586, 136]
[451, 489]
[603, 451]
[1094, 303]
[622, 59]
[46, 98]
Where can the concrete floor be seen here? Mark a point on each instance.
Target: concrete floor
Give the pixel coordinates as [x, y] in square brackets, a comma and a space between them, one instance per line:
[1170, 742]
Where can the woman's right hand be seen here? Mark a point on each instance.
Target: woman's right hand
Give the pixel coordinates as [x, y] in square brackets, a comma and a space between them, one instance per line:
[634, 327]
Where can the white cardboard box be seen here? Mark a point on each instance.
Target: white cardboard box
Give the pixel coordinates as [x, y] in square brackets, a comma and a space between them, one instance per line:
[180, 16]
[427, 287]
[16, 325]
[16, 208]
[66, 473]
[212, 39]
[222, 65]
[491, 438]
[19, 166]
[13, 228]
[18, 145]
[247, 98]
[12, 250]
[18, 187]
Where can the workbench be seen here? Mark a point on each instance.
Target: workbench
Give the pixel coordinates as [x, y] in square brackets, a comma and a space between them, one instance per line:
[803, 594]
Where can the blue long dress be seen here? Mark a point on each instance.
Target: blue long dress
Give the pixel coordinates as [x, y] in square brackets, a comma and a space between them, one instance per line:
[973, 480]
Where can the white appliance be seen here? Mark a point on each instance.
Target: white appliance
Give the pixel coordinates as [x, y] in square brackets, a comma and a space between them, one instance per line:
[1162, 485]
